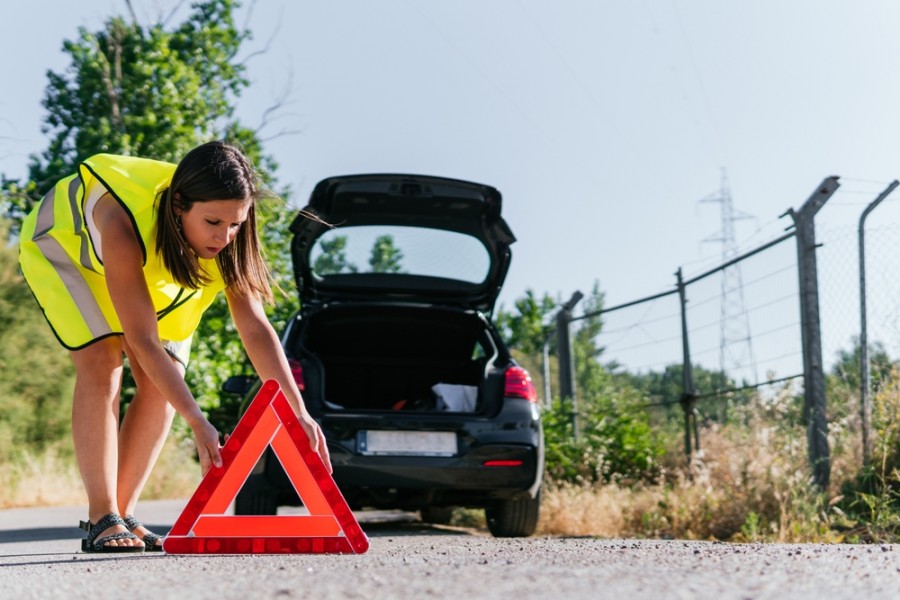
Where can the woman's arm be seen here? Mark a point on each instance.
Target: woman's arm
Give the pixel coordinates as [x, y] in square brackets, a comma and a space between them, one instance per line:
[131, 298]
[268, 358]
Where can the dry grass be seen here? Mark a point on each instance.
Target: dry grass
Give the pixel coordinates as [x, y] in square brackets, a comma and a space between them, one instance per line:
[750, 482]
[582, 510]
[177, 472]
[51, 478]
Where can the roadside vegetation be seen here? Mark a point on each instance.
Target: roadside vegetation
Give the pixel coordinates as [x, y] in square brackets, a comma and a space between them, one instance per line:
[628, 474]
[615, 462]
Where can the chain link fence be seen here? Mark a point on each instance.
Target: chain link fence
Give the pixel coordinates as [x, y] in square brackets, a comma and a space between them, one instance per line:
[786, 311]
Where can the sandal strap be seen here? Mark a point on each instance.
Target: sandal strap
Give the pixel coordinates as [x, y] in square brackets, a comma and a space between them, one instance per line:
[151, 538]
[101, 543]
[132, 523]
[105, 522]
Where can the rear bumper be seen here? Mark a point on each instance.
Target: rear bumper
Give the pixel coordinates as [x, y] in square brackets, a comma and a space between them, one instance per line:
[472, 478]
[472, 471]
[412, 482]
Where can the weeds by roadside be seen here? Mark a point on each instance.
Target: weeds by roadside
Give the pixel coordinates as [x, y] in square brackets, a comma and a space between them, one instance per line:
[49, 477]
[749, 483]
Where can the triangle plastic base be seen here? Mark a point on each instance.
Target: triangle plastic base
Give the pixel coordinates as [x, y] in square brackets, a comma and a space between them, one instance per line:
[329, 528]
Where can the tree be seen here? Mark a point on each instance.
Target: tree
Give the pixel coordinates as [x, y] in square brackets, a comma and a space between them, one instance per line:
[844, 378]
[157, 92]
[333, 258]
[527, 327]
[139, 91]
[386, 257]
[36, 387]
[588, 369]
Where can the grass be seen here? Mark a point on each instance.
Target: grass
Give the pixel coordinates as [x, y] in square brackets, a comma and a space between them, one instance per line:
[41, 478]
[50, 477]
[750, 483]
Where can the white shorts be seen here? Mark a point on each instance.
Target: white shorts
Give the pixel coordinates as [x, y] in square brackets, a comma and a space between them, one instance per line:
[180, 351]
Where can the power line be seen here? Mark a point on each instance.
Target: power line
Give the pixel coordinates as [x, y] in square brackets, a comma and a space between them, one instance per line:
[735, 342]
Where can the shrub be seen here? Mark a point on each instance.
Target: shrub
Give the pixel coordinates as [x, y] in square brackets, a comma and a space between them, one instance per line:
[615, 439]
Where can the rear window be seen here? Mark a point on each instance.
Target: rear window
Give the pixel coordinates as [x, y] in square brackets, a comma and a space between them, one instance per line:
[401, 250]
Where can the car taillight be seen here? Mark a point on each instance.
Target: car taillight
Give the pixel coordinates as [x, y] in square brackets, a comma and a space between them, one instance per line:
[519, 384]
[502, 463]
[297, 372]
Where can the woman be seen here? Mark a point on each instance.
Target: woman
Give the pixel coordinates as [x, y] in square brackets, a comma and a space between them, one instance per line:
[123, 257]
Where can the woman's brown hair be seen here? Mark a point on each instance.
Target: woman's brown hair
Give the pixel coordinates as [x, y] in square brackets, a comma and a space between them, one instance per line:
[214, 171]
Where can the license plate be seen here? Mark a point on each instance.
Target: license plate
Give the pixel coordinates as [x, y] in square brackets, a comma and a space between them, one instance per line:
[407, 443]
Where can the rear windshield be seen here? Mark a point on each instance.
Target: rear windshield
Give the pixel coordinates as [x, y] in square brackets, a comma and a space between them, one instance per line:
[406, 250]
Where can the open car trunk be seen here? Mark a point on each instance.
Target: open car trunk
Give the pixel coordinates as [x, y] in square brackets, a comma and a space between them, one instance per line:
[398, 358]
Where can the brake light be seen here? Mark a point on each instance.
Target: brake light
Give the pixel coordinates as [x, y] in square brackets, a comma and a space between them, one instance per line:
[519, 384]
[297, 372]
[502, 463]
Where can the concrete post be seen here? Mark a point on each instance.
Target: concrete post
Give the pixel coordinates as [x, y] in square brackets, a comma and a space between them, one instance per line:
[814, 405]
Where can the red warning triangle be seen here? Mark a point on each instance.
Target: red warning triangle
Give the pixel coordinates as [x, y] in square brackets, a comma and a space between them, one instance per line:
[330, 527]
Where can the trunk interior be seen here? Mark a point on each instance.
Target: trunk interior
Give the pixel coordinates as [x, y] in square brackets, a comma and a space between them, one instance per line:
[398, 358]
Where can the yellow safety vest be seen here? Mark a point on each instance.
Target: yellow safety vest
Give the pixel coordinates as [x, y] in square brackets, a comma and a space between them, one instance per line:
[63, 269]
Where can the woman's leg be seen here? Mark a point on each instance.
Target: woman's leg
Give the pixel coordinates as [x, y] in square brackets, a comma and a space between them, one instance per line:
[95, 420]
[141, 437]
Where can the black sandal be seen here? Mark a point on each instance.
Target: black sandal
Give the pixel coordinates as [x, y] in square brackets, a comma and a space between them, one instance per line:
[149, 538]
[92, 544]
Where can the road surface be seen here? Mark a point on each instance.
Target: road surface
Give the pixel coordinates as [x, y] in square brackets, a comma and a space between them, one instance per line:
[39, 558]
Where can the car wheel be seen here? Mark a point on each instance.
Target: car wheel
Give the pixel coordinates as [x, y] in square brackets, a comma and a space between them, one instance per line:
[255, 502]
[514, 518]
[437, 515]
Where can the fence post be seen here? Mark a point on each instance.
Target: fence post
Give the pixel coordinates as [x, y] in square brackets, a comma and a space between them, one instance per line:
[688, 396]
[814, 401]
[865, 399]
[545, 366]
[566, 357]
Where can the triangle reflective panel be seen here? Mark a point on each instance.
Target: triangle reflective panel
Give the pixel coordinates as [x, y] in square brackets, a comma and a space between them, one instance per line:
[330, 527]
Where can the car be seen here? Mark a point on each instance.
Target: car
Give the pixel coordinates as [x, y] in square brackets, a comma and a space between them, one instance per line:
[421, 403]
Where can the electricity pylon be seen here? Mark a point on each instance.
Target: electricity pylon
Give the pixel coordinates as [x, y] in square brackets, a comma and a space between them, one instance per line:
[735, 342]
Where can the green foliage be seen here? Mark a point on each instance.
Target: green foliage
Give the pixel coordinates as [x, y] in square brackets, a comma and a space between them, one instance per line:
[615, 439]
[385, 256]
[525, 329]
[872, 498]
[333, 258]
[842, 382]
[138, 91]
[666, 388]
[157, 92]
[589, 373]
[846, 370]
[36, 387]
[751, 530]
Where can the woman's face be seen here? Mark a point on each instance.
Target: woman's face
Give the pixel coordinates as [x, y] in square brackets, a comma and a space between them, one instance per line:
[210, 226]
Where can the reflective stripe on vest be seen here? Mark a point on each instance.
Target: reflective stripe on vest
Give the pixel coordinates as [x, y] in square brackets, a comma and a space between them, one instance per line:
[68, 272]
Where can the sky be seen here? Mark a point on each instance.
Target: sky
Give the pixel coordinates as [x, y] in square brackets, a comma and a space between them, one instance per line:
[604, 124]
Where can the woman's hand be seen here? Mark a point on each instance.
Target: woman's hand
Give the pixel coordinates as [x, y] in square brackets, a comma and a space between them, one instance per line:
[207, 439]
[316, 438]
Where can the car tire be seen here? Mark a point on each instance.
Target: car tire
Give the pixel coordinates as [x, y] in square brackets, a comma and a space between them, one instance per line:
[437, 515]
[514, 518]
[255, 502]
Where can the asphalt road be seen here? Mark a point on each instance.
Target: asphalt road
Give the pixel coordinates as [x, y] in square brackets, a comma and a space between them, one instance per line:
[406, 559]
